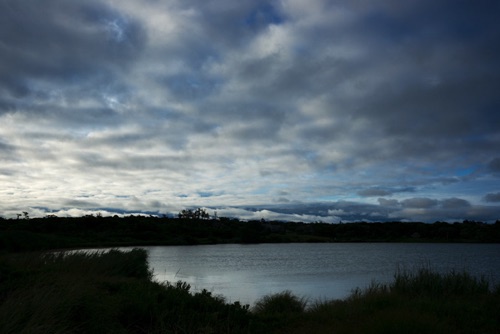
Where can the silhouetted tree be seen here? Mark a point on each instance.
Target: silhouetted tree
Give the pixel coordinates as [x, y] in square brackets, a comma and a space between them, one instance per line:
[186, 214]
[197, 214]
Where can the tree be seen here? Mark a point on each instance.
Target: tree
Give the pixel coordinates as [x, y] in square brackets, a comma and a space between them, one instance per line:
[197, 214]
[186, 214]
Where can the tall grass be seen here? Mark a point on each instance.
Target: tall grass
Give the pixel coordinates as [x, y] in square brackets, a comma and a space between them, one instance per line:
[113, 292]
[108, 292]
[425, 281]
[277, 310]
[419, 301]
[280, 303]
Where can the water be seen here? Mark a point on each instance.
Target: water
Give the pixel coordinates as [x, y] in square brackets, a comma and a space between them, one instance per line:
[316, 271]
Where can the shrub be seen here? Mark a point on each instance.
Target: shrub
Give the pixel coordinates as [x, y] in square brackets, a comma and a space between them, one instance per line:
[280, 303]
[105, 292]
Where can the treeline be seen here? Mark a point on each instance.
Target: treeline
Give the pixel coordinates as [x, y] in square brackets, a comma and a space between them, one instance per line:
[95, 231]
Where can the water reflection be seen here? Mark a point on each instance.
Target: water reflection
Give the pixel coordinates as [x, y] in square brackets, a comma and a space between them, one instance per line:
[247, 272]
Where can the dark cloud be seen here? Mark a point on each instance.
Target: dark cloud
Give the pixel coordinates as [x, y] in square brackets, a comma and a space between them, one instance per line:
[189, 86]
[419, 203]
[282, 200]
[388, 202]
[7, 172]
[494, 165]
[263, 15]
[372, 192]
[6, 147]
[80, 204]
[493, 197]
[452, 203]
[255, 102]
[234, 24]
[348, 211]
[441, 124]
[62, 44]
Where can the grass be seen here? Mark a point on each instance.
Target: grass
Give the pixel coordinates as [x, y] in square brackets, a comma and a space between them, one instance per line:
[425, 281]
[104, 293]
[420, 301]
[113, 292]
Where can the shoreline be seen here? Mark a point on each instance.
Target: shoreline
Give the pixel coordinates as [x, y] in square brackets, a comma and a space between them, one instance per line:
[114, 292]
[94, 232]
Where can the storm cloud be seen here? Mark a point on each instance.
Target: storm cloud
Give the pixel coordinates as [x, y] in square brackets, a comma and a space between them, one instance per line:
[312, 110]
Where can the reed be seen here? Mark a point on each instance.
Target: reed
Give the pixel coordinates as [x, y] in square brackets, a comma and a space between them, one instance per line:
[104, 292]
[113, 292]
[418, 301]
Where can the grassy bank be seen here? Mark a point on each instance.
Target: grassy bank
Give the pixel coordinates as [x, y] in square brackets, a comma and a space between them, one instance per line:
[113, 293]
[416, 302]
[104, 293]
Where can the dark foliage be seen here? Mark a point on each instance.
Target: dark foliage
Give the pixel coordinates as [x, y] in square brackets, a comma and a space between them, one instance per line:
[113, 292]
[109, 292]
[95, 231]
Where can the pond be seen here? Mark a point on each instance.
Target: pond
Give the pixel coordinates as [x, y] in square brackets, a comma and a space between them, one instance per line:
[316, 271]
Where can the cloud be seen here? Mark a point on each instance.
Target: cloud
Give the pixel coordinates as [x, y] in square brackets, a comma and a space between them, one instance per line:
[419, 203]
[373, 192]
[252, 102]
[388, 191]
[388, 202]
[494, 165]
[448, 209]
[493, 197]
[60, 44]
[452, 203]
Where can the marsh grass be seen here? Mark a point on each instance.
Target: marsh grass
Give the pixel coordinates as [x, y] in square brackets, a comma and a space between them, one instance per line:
[101, 292]
[279, 309]
[425, 281]
[279, 303]
[420, 301]
[113, 292]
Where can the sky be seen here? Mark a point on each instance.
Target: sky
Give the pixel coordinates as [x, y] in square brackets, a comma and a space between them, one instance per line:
[297, 110]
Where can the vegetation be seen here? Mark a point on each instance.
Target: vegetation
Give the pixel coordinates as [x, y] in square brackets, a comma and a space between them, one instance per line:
[278, 310]
[416, 302]
[196, 227]
[114, 292]
[104, 293]
[279, 304]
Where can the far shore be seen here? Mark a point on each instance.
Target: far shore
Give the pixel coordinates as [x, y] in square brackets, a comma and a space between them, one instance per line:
[94, 232]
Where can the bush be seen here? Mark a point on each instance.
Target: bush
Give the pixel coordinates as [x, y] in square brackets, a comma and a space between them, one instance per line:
[105, 292]
[280, 303]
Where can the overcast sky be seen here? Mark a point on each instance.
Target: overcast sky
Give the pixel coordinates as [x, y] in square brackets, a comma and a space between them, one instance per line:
[291, 109]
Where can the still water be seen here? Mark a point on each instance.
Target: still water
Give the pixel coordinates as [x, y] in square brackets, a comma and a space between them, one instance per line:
[316, 271]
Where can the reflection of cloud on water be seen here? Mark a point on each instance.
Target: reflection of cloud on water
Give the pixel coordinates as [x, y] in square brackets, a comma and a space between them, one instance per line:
[245, 273]
[238, 278]
[233, 286]
[245, 287]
